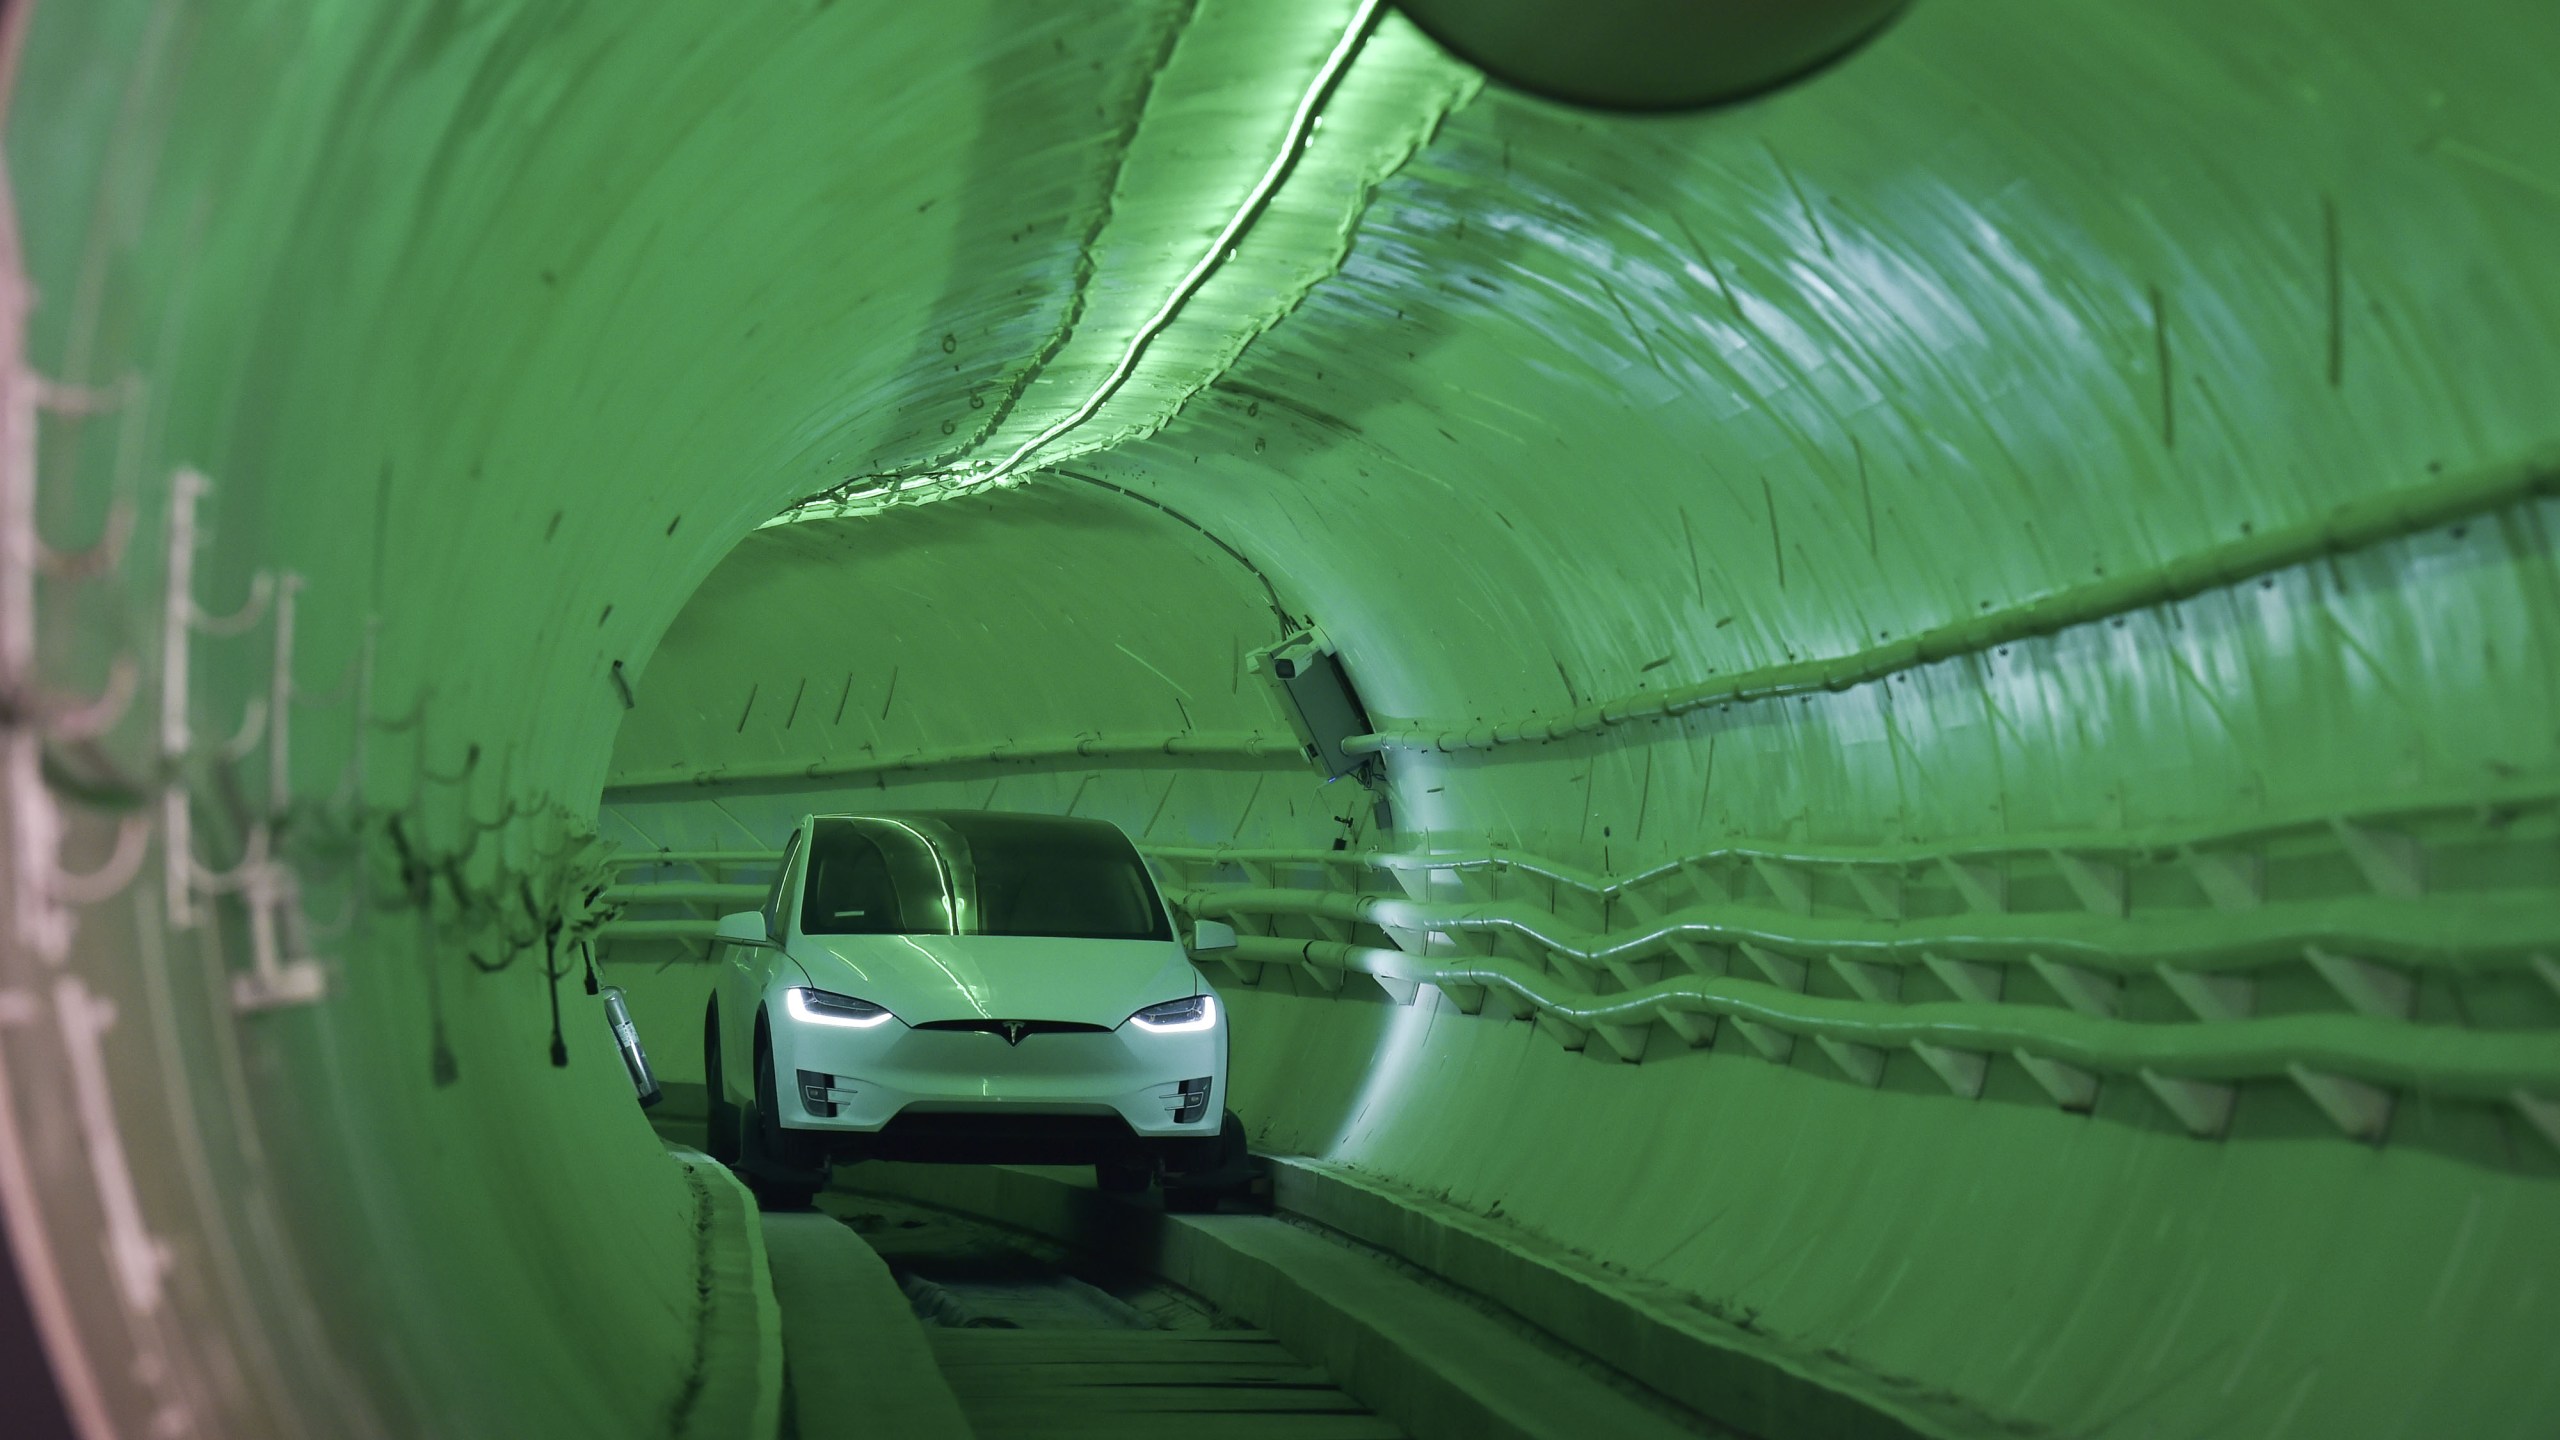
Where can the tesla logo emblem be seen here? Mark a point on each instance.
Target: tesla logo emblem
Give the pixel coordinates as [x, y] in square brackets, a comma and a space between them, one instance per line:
[1013, 1032]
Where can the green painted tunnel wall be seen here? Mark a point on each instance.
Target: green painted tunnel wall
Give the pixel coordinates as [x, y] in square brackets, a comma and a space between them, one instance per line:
[2055, 425]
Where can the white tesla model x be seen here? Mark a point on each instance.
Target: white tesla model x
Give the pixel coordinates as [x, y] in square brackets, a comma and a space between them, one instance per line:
[967, 986]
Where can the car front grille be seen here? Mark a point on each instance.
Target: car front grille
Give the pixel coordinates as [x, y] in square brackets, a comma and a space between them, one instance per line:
[1025, 1028]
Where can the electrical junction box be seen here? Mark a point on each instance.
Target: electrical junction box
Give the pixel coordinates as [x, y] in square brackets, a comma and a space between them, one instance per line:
[1316, 694]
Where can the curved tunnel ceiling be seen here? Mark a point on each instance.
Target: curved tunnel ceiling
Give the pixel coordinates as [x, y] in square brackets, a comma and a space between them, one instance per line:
[2061, 482]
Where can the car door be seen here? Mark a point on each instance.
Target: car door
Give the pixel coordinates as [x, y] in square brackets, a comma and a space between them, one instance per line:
[744, 973]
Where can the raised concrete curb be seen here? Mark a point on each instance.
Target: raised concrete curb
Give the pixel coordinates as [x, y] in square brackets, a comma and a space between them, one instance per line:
[1657, 1336]
[1427, 1360]
[860, 1363]
[737, 1392]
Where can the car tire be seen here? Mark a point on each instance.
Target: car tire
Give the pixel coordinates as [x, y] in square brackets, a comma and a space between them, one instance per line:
[1224, 1169]
[1121, 1177]
[719, 1118]
[1214, 1162]
[781, 1167]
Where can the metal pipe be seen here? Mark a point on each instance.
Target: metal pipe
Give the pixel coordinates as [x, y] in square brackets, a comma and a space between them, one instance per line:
[626, 1037]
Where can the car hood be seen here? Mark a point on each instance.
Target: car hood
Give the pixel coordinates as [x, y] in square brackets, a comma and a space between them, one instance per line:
[925, 978]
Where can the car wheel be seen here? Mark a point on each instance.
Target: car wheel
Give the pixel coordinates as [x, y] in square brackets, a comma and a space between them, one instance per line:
[720, 1118]
[1215, 1162]
[781, 1167]
[1121, 1177]
[1223, 1168]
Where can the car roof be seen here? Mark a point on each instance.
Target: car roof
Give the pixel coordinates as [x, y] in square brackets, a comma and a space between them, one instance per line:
[1018, 822]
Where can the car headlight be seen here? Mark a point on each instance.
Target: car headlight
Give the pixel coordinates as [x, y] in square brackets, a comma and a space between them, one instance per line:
[1198, 1012]
[825, 1007]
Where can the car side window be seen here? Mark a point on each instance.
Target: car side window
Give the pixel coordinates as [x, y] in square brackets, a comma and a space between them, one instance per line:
[781, 887]
[850, 890]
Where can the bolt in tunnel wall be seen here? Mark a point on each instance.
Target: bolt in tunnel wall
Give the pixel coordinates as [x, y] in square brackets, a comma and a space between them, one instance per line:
[2047, 522]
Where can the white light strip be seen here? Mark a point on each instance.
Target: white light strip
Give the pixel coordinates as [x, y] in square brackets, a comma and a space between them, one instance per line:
[1301, 125]
[1207, 1017]
[799, 1006]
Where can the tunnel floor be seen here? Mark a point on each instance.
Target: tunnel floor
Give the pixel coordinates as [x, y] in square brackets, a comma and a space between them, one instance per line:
[1038, 1341]
[963, 1274]
[1035, 1346]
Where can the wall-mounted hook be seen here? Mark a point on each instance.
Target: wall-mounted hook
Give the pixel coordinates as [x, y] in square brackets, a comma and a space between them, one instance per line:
[89, 719]
[241, 876]
[507, 814]
[417, 712]
[133, 843]
[505, 817]
[64, 398]
[470, 762]
[79, 772]
[238, 622]
[101, 558]
[253, 723]
[470, 847]
[337, 925]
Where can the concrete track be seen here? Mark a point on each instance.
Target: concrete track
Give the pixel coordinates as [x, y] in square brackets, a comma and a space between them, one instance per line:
[950, 1300]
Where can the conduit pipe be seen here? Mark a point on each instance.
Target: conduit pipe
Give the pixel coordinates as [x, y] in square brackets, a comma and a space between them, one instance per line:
[1195, 745]
[2516, 1068]
[2146, 843]
[2500, 930]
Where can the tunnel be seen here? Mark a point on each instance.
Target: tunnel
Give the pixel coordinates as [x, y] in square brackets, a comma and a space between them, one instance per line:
[1873, 691]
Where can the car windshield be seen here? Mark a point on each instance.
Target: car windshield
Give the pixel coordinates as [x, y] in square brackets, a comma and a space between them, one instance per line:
[971, 873]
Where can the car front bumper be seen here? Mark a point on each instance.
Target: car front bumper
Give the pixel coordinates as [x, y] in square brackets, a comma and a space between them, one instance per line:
[857, 1081]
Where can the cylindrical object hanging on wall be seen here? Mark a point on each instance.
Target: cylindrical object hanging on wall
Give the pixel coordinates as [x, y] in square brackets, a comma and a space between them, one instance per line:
[626, 1036]
[1649, 54]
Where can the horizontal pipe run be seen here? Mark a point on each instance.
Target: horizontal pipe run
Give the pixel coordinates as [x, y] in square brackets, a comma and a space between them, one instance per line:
[658, 930]
[2113, 846]
[680, 892]
[709, 859]
[2110, 846]
[1179, 745]
[2504, 930]
[2360, 523]
[2436, 1060]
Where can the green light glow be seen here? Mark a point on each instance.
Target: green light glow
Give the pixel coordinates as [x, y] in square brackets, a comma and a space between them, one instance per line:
[1960, 656]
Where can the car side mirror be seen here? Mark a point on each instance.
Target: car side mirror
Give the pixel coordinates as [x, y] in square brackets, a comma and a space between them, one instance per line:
[1213, 935]
[746, 927]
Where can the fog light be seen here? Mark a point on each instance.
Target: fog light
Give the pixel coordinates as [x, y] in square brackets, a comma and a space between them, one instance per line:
[823, 1092]
[1188, 1100]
